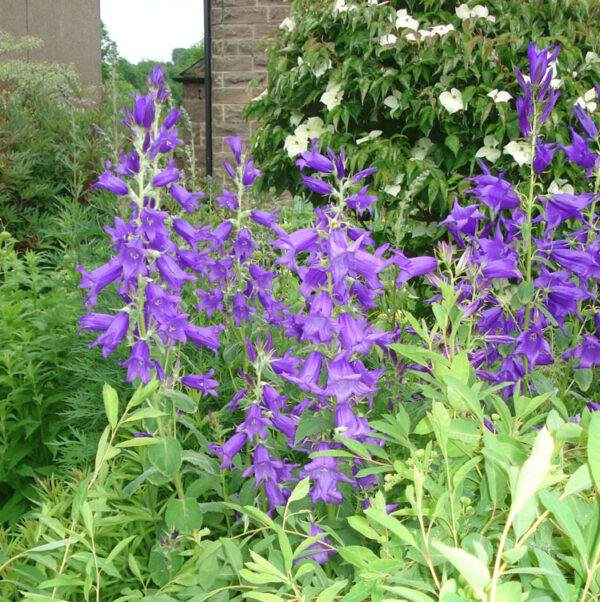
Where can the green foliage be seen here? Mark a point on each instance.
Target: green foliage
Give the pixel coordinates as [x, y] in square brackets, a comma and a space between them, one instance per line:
[129, 78]
[388, 112]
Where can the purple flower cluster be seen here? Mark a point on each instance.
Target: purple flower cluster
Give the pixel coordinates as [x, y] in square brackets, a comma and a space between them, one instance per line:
[338, 270]
[548, 244]
[154, 252]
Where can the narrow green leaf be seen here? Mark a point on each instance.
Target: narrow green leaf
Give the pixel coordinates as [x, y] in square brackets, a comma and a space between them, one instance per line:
[111, 404]
[580, 480]
[300, 491]
[142, 393]
[143, 414]
[263, 596]
[593, 447]
[406, 593]
[53, 545]
[182, 401]
[533, 472]
[329, 593]
[115, 551]
[556, 580]
[391, 524]
[102, 447]
[233, 554]
[469, 566]
[259, 578]
[565, 517]
[138, 442]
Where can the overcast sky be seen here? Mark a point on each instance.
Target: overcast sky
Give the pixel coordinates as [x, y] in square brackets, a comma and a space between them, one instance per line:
[150, 29]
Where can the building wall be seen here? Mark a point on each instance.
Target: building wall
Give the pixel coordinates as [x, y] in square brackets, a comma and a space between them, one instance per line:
[239, 56]
[70, 30]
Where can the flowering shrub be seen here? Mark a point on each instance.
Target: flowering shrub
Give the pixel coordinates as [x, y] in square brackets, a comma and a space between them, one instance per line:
[368, 76]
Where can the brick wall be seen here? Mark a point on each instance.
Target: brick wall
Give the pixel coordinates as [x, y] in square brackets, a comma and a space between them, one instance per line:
[238, 31]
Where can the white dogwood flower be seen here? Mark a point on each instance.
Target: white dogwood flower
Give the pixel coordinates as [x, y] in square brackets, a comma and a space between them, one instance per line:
[499, 97]
[452, 101]
[288, 24]
[477, 12]
[488, 150]
[519, 151]
[588, 101]
[389, 38]
[333, 95]
[405, 21]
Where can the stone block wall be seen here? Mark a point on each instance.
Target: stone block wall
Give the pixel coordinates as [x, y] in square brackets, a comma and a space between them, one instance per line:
[239, 56]
[70, 30]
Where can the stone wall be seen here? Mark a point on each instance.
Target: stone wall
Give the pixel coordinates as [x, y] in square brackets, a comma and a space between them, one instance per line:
[70, 30]
[239, 28]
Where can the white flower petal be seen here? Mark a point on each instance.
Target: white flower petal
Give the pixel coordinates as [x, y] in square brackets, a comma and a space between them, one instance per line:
[452, 101]
[389, 38]
[463, 12]
[520, 151]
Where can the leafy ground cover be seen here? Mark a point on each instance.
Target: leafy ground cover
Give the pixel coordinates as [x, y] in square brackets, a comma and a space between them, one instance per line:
[286, 407]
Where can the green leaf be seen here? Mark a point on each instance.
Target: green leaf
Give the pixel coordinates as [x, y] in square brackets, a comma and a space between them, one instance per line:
[182, 401]
[593, 447]
[583, 377]
[233, 554]
[579, 480]
[469, 566]
[509, 591]
[139, 442]
[142, 393]
[300, 491]
[453, 143]
[102, 447]
[60, 580]
[361, 524]
[555, 578]
[185, 515]
[53, 545]
[405, 593]
[111, 404]
[263, 596]
[260, 578]
[310, 425]
[165, 456]
[329, 593]
[391, 524]
[565, 517]
[115, 551]
[143, 414]
[440, 421]
[533, 472]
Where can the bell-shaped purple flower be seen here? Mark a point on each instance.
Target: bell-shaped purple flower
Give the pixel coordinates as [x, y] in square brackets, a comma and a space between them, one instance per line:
[316, 185]
[113, 335]
[315, 160]
[534, 347]
[186, 199]
[585, 121]
[326, 475]
[108, 181]
[579, 152]
[494, 191]
[202, 382]
[139, 363]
